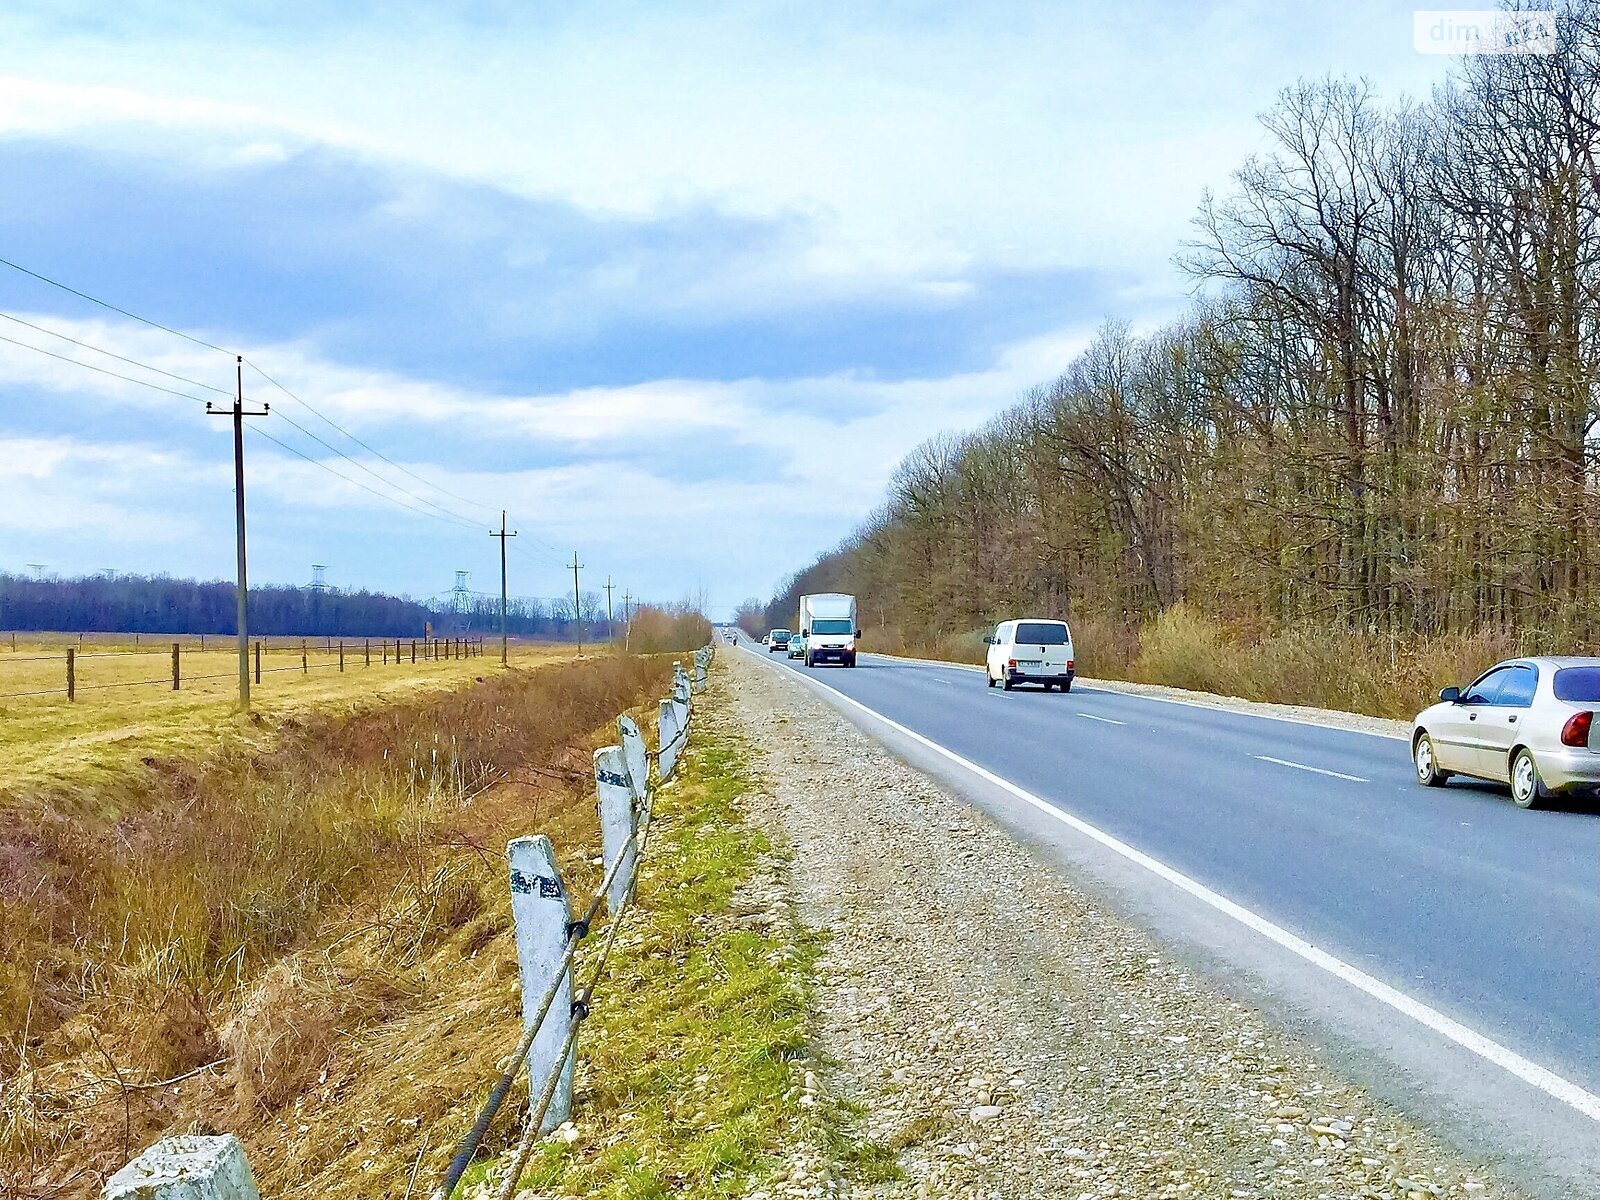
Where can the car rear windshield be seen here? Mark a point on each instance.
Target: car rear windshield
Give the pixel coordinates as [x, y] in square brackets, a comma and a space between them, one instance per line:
[1578, 684]
[1041, 633]
[780, 633]
[832, 625]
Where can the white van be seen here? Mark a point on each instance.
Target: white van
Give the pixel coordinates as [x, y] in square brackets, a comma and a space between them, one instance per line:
[1032, 650]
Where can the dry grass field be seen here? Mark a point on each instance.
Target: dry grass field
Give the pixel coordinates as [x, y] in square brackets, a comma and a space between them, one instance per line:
[183, 888]
[126, 710]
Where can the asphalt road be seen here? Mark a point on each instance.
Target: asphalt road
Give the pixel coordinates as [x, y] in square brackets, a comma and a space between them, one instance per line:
[1479, 910]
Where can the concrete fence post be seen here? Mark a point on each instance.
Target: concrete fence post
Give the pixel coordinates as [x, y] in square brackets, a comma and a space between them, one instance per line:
[635, 757]
[188, 1167]
[540, 911]
[681, 697]
[668, 730]
[614, 795]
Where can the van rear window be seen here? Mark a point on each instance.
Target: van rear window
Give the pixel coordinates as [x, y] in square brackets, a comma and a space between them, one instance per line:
[1041, 633]
[1579, 685]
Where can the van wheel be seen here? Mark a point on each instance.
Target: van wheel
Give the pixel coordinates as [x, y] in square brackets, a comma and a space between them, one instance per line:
[988, 679]
[1006, 684]
[1067, 686]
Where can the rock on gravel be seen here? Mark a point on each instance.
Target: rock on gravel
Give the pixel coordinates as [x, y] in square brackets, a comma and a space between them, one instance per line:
[1006, 1036]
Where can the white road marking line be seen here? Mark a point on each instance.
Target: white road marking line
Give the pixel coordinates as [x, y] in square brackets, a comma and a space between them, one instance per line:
[1508, 1060]
[1284, 762]
[1107, 720]
[1224, 707]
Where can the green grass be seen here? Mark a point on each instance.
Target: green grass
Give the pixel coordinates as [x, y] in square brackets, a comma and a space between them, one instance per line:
[695, 1053]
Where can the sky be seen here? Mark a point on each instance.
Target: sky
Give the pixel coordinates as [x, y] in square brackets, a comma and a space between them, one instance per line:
[676, 286]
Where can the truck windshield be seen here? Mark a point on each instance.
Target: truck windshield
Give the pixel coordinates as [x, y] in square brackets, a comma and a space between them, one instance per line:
[1041, 633]
[832, 625]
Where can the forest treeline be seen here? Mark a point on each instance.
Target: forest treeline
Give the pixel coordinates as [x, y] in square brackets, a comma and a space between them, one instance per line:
[161, 604]
[1378, 421]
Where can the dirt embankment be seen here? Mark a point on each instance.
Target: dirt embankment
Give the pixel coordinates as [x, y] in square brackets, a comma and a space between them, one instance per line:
[1006, 1036]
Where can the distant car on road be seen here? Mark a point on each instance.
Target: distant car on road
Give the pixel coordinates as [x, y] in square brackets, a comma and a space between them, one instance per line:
[778, 639]
[1033, 650]
[1528, 722]
[797, 646]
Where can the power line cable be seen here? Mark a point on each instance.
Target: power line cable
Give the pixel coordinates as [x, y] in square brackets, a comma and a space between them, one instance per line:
[356, 482]
[199, 341]
[369, 449]
[132, 362]
[106, 304]
[380, 478]
[103, 371]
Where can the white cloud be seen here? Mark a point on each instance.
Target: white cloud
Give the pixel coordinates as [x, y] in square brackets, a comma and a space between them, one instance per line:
[1012, 137]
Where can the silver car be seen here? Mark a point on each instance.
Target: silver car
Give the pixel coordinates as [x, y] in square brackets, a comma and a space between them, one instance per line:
[1529, 722]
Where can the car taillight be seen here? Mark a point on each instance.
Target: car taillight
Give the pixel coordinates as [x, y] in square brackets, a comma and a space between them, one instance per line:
[1576, 731]
[1070, 664]
[1011, 662]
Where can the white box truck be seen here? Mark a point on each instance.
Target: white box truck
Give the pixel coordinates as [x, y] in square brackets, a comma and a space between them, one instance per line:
[828, 625]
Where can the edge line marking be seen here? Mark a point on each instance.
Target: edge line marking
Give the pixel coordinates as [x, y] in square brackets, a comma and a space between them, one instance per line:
[1486, 1048]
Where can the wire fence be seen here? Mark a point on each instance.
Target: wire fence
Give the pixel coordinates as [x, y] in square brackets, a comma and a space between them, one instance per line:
[63, 675]
[627, 779]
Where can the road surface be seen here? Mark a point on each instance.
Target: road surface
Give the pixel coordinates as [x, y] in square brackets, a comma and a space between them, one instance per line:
[1482, 918]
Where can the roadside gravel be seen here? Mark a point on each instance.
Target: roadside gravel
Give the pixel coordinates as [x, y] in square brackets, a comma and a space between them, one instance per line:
[1003, 1034]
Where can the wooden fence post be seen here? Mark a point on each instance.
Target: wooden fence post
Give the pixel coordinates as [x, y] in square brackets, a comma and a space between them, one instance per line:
[413, 649]
[174, 666]
[341, 657]
[72, 673]
[258, 662]
[386, 653]
[304, 668]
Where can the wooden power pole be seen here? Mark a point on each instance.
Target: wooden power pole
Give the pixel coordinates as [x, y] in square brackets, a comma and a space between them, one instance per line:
[503, 535]
[242, 593]
[610, 636]
[577, 602]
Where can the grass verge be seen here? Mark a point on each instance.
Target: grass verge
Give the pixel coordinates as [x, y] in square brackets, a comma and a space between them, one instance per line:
[692, 1078]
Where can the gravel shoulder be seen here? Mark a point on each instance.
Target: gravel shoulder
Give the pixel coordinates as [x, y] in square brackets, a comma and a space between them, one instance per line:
[1331, 717]
[1004, 1035]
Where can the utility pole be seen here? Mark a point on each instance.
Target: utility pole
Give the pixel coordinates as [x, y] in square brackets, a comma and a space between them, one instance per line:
[577, 603]
[461, 583]
[242, 593]
[627, 621]
[609, 634]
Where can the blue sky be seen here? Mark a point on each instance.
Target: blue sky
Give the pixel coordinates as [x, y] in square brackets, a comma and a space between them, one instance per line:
[676, 285]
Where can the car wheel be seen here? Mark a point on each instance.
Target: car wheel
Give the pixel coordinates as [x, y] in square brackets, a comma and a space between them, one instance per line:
[1527, 789]
[1006, 684]
[988, 679]
[1422, 757]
